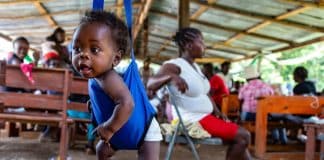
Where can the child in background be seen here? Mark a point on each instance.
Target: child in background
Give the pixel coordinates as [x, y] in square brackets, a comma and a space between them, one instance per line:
[99, 42]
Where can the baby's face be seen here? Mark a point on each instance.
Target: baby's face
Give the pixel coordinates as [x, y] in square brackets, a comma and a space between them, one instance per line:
[94, 50]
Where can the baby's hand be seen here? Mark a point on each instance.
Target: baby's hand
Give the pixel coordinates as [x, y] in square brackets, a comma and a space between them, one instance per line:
[103, 133]
[104, 151]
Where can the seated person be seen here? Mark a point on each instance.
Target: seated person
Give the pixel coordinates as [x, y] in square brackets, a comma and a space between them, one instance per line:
[303, 87]
[189, 88]
[217, 86]
[249, 93]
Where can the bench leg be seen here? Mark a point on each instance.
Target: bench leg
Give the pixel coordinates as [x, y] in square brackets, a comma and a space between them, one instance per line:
[322, 151]
[63, 141]
[310, 144]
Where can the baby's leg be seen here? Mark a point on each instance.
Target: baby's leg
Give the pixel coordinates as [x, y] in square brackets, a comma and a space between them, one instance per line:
[150, 150]
[104, 151]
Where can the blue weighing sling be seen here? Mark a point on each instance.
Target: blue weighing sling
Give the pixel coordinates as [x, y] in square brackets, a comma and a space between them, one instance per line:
[132, 134]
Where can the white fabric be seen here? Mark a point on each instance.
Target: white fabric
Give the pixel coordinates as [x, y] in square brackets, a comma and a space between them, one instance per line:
[154, 132]
[250, 72]
[194, 104]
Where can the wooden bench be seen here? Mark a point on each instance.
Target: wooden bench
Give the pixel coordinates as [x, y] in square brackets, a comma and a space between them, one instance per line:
[231, 106]
[281, 105]
[57, 80]
[79, 86]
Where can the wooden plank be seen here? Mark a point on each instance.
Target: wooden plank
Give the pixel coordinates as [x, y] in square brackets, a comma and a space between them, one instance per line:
[29, 100]
[320, 39]
[281, 105]
[6, 37]
[14, 2]
[293, 12]
[42, 10]
[183, 14]
[78, 106]
[142, 17]
[79, 86]
[305, 3]
[209, 60]
[42, 77]
[199, 12]
[119, 9]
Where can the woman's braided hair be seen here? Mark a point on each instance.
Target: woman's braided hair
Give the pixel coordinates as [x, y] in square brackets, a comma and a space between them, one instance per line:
[185, 36]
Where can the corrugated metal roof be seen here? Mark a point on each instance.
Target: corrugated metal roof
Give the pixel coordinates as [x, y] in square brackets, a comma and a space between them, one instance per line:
[232, 29]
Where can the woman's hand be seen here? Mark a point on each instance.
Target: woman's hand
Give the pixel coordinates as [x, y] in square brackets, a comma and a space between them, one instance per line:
[180, 83]
[222, 116]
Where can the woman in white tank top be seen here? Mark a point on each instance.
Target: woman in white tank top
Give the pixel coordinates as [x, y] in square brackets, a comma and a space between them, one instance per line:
[189, 88]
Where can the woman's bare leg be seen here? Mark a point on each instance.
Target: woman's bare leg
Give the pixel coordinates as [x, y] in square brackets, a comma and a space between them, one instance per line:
[238, 149]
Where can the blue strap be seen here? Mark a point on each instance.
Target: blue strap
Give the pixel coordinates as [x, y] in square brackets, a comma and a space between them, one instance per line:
[97, 4]
[128, 12]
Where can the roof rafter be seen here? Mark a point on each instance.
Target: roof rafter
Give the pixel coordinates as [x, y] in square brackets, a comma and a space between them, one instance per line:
[42, 10]
[224, 28]
[262, 17]
[110, 7]
[119, 10]
[266, 22]
[140, 20]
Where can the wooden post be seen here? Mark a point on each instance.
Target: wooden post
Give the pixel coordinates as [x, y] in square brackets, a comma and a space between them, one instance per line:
[145, 37]
[183, 14]
[261, 129]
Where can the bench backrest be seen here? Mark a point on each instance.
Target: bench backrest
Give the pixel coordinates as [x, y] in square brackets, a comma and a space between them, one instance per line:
[230, 104]
[79, 86]
[57, 80]
[291, 104]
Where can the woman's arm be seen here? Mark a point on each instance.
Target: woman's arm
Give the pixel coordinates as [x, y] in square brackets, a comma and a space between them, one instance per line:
[115, 87]
[167, 73]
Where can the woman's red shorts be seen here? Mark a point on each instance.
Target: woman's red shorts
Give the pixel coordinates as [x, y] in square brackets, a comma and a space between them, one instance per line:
[219, 128]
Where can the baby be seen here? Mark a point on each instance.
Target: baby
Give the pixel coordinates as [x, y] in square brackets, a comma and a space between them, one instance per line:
[99, 42]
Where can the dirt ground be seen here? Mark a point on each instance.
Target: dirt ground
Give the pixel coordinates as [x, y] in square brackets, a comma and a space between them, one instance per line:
[22, 149]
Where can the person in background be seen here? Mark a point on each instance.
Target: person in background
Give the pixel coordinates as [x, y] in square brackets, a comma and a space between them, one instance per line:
[256, 88]
[53, 45]
[189, 88]
[146, 71]
[20, 51]
[227, 78]
[303, 87]
[217, 86]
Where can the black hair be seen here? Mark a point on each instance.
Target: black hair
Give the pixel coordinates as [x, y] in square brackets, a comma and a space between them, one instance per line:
[22, 39]
[52, 37]
[119, 31]
[147, 59]
[185, 36]
[208, 67]
[226, 63]
[301, 72]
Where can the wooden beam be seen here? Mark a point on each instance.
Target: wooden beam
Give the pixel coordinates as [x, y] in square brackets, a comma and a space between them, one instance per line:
[42, 10]
[119, 10]
[293, 12]
[142, 17]
[320, 39]
[199, 12]
[265, 23]
[13, 2]
[182, 21]
[257, 35]
[6, 37]
[183, 14]
[210, 60]
[145, 37]
[66, 12]
[305, 3]
[259, 16]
